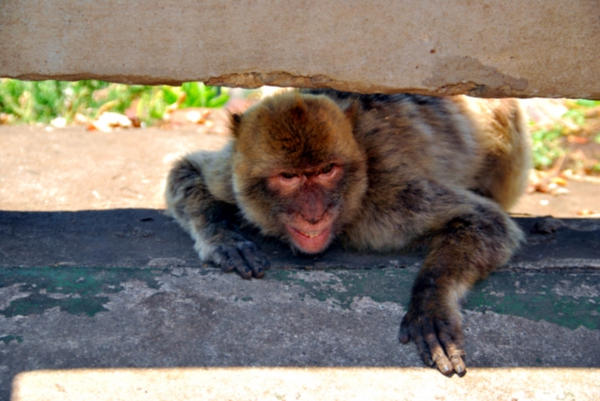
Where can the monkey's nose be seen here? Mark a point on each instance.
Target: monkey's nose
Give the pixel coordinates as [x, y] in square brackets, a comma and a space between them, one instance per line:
[313, 219]
[313, 210]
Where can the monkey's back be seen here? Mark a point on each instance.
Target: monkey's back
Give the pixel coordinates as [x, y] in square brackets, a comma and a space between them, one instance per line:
[408, 137]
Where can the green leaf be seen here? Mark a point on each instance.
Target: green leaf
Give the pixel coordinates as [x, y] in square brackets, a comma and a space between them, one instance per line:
[218, 101]
[587, 103]
[169, 94]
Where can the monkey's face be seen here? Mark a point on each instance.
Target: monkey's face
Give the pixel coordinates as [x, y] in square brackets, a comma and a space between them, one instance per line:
[298, 172]
[312, 207]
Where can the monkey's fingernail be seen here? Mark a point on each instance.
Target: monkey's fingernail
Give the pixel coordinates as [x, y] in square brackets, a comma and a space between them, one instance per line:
[246, 273]
[459, 369]
[446, 369]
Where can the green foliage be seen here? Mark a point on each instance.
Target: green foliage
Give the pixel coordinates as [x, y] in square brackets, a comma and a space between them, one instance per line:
[41, 101]
[549, 144]
[575, 115]
[546, 147]
[199, 95]
[587, 103]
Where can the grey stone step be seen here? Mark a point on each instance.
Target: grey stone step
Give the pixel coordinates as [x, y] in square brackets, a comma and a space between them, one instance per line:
[124, 289]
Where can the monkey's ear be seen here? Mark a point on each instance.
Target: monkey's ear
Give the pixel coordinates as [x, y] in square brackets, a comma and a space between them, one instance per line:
[235, 120]
[351, 110]
[298, 111]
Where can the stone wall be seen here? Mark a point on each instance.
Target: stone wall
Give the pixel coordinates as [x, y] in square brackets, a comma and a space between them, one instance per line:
[485, 48]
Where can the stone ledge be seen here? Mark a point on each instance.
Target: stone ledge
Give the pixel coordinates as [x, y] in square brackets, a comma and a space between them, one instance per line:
[490, 49]
[306, 383]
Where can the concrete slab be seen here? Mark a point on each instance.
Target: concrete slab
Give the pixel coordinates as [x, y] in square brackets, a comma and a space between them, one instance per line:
[282, 384]
[123, 288]
[492, 49]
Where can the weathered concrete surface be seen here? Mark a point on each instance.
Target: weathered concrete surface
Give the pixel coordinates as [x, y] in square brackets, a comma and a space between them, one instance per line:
[119, 286]
[74, 317]
[156, 311]
[490, 48]
[346, 384]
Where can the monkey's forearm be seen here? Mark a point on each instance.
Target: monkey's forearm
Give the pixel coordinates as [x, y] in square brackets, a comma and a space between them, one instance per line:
[464, 251]
[211, 223]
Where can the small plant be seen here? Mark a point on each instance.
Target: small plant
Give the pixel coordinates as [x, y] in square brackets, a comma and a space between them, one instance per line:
[546, 147]
[41, 101]
[577, 128]
[200, 95]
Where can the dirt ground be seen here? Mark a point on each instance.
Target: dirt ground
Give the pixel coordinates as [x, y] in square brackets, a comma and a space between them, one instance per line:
[52, 169]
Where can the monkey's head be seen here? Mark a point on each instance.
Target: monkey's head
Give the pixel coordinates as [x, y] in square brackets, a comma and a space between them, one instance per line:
[298, 172]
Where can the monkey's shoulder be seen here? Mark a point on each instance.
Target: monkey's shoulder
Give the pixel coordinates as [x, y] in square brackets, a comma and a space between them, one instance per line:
[378, 100]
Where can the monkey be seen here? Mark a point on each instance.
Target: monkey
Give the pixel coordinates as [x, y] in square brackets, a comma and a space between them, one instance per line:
[377, 172]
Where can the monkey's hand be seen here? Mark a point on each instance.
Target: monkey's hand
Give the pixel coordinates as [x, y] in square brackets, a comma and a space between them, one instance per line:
[211, 221]
[239, 254]
[435, 325]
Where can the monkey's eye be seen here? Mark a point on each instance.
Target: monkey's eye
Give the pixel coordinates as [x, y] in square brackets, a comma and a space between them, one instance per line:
[327, 169]
[288, 176]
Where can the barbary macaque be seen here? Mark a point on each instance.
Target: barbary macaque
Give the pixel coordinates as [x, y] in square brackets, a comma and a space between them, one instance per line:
[378, 172]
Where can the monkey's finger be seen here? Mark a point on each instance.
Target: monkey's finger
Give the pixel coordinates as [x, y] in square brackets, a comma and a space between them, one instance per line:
[221, 258]
[411, 329]
[451, 339]
[404, 335]
[263, 260]
[437, 352]
[444, 365]
[244, 270]
[255, 258]
[423, 350]
[455, 354]
[234, 260]
[416, 333]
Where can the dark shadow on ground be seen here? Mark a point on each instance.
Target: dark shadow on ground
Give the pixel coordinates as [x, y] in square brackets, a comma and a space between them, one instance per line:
[136, 237]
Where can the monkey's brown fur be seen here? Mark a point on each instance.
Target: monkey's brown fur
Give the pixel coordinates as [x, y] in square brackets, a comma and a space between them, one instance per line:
[378, 171]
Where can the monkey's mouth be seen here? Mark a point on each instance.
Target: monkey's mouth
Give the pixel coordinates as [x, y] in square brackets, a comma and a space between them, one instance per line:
[310, 241]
